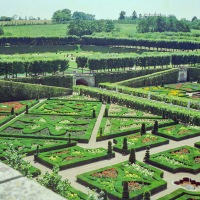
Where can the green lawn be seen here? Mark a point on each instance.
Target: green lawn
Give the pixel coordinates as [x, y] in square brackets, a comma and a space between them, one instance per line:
[54, 30]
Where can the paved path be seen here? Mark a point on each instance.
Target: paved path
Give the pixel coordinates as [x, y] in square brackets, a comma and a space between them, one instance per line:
[71, 174]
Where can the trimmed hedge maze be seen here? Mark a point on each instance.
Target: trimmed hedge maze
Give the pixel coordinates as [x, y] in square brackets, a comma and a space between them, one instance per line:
[29, 146]
[178, 132]
[181, 159]
[68, 107]
[140, 177]
[73, 156]
[181, 194]
[51, 126]
[121, 121]
[138, 142]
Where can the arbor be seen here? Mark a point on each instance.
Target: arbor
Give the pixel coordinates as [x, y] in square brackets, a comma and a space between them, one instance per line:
[61, 16]
[122, 15]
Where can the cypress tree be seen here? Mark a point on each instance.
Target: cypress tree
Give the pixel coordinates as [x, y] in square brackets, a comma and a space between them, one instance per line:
[12, 112]
[143, 129]
[109, 147]
[147, 195]
[69, 138]
[125, 194]
[147, 154]
[155, 126]
[125, 145]
[26, 109]
[132, 157]
[93, 113]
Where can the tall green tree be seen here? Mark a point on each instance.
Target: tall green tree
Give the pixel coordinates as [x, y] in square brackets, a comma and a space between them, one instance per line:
[134, 15]
[122, 15]
[61, 16]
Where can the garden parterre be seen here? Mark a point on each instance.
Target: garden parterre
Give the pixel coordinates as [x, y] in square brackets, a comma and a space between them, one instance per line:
[181, 159]
[140, 177]
[72, 156]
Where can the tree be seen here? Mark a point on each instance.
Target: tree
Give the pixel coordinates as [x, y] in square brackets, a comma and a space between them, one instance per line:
[147, 154]
[122, 15]
[125, 194]
[134, 15]
[109, 147]
[61, 16]
[146, 195]
[1, 31]
[125, 145]
[54, 182]
[109, 26]
[194, 18]
[82, 16]
[132, 157]
[143, 129]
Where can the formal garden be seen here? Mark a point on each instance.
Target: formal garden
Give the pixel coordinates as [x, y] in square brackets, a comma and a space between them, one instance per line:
[102, 109]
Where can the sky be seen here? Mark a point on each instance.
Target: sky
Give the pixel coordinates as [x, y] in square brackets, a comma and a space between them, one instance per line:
[102, 9]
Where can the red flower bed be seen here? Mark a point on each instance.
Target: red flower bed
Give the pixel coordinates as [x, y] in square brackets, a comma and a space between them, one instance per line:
[6, 107]
[181, 151]
[109, 173]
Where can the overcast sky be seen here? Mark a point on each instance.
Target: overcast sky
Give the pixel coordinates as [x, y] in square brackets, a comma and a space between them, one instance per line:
[102, 9]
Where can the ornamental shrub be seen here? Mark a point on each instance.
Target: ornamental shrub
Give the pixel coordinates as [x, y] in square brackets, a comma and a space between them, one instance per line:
[143, 129]
[109, 147]
[125, 145]
[147, 154]
[132, 157]
[125, 194]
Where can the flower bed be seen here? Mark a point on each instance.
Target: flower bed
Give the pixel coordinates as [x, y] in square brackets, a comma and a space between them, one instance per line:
[167, 91]
[187, 87]
[19, 106]
[68, 107]
[181, 159]
[178, 132]
[138, 142]
[197, 144]
[181, 194]
[29, 146]
[73, 156]
[140, 177]
[119, 126]
[50, 126]
[116, 110]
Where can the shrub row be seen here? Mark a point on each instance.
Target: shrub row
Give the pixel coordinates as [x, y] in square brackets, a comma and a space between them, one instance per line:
[121, 76]
[185, 115]
[167, 77]
[15, 91]
[31, 41]
[165, 43]
[180, 101]
[58, 81]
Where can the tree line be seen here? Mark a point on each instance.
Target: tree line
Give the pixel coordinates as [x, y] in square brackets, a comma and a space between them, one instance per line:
[32, 67]
[126, 61]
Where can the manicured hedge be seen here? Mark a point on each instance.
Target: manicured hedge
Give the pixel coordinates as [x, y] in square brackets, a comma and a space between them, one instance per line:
[113, 77]
[31, 41]
[185, 115]
[112, 182]
[180, 159]
[140, 92]
[187, 132]
[167, 76]
[181, 194]
[140, 144]
[58, 81]
[77, 156]
[15, 91]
